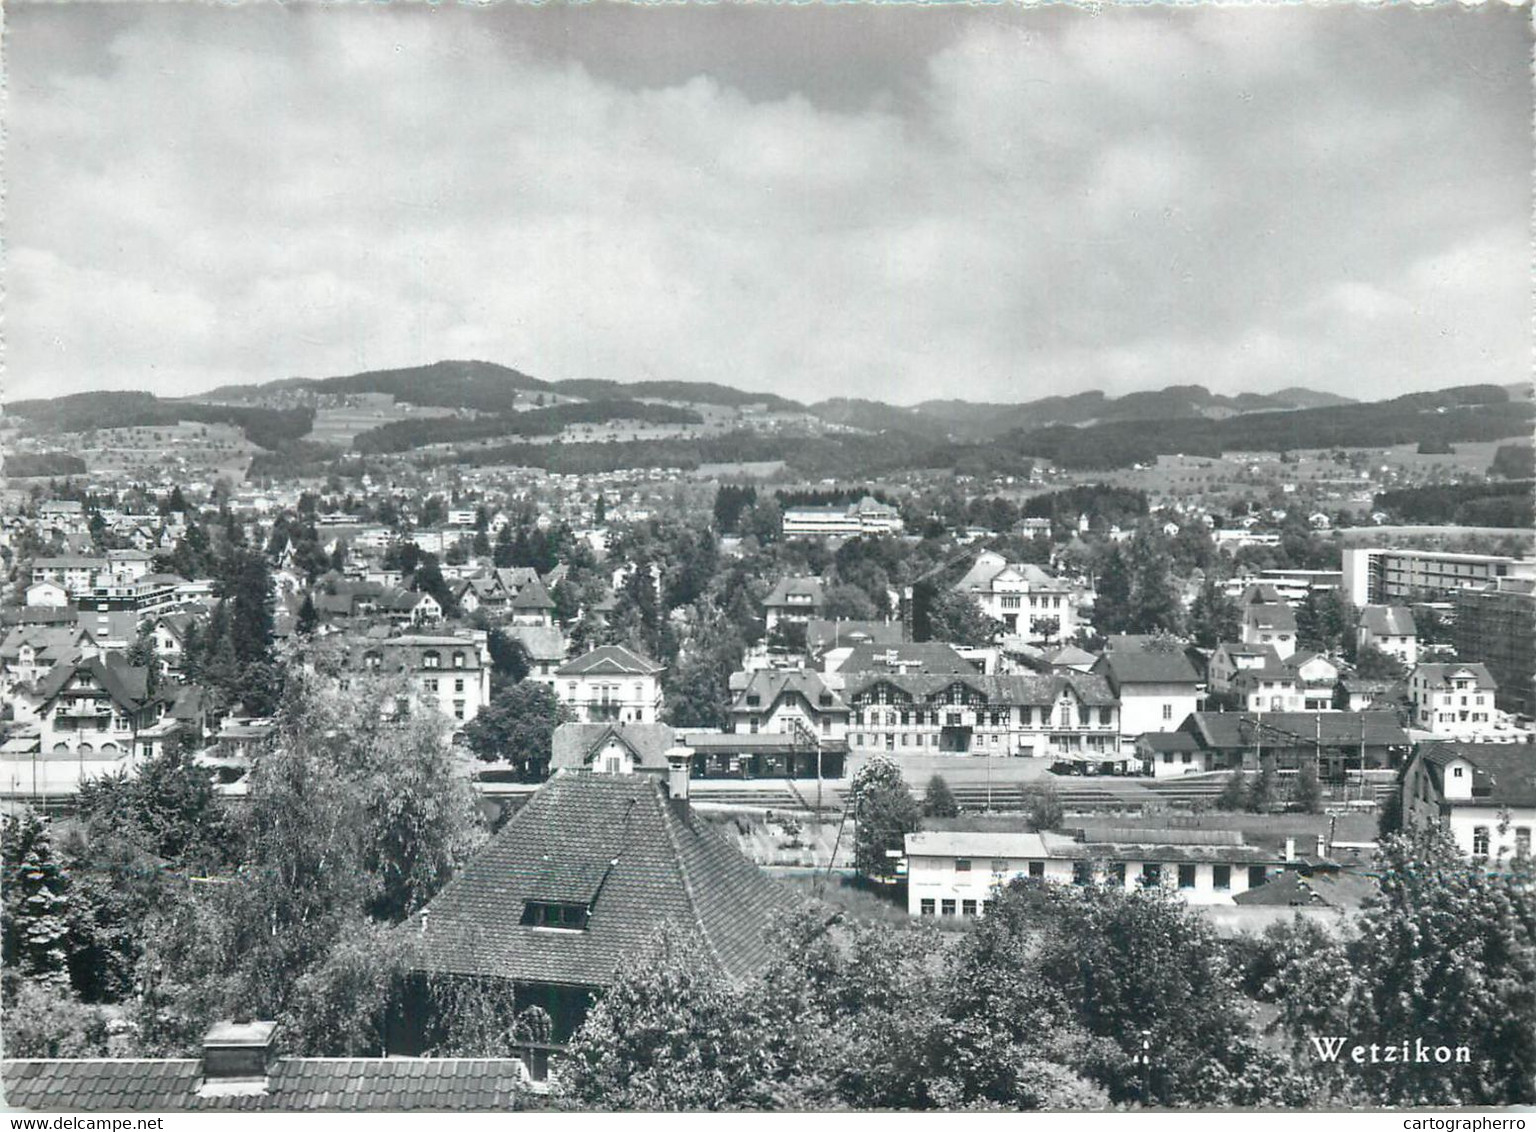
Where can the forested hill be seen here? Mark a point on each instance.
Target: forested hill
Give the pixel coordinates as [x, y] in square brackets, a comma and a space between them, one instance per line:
[1466, 413]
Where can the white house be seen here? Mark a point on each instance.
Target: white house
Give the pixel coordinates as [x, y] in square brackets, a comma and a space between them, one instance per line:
[782, 701]
[1391, 629]
[47, 594]
[1267, 623]
[451, 673]
[1452, 700]
[1483, 794]
[611, 684]
[958, 872]
[1157, 686]
[1028, 601]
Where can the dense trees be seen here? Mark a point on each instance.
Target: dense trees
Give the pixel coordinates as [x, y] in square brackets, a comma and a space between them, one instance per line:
[956, 618]
[884, 813]
[1213, 616]
[517, 725]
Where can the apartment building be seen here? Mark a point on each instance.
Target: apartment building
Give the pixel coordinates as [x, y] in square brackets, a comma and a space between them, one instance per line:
[1496, 625]
[1029, 602]
[1382, 576]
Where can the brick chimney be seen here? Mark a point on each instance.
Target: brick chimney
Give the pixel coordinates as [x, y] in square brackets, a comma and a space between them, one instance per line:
[237, 1058]
[679, 763]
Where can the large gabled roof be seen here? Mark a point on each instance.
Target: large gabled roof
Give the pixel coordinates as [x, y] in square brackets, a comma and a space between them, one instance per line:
[1388, 621]
[124, 683]
[295, 1084]
[923, 656]
[533, 596]
[610, 660]
[770, 685]
[795, 587]
[1040, 689]
[638, 858]
[1138, 660]
[1503, 774]
[1438, 674]
[573, 745]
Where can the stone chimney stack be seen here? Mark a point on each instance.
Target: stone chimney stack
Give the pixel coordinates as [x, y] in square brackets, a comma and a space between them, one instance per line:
[679, 760]
[237, 1058]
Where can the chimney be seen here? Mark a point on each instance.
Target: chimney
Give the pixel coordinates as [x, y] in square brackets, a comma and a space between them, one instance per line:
[678, 760]
[1290, 848]
[1322, 845]
[237, 1057]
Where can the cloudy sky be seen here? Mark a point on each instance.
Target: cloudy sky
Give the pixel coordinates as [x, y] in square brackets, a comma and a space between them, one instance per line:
[899, 202]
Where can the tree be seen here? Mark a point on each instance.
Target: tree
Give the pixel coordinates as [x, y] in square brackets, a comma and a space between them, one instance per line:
[509, 658]
[517, 726]
[1372, 663]
[1445, 954]
[955, 617]
[938, 802]
[1213, 617]
[1322, 621]
[1307, 794]
[884, 813]
[1262, 796]
[1112, 595]
[143, 654]
[1234, 792]
[308, 619]
[1042, 805]
[1155, 605]
[35, 904]
[847, 603]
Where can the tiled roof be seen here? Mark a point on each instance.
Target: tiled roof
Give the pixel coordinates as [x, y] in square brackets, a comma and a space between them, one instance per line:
[662, 864]
[125, 684]
[1234, 730]
[573, 744]
[533, 596]
[543, 642]
[927, 656]
[1388, 621]
[610, 660]
[1011, 689]
[295, 1084]
[1437, 675]
[799, 587]
[1275, 618]
[1503, 774]
[821, 635]
[1131, 660]
[769, 686]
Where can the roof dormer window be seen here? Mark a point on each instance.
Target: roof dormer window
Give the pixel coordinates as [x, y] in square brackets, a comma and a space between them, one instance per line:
[431, 660]
[546, 914]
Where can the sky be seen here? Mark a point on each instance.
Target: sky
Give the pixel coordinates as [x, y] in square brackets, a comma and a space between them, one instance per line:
[892, 201]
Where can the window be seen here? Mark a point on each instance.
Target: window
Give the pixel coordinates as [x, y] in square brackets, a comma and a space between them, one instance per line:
[1257, 875]
[613, 764]
[926, 907]
[1456, 772]
[999, 865]
[1186, 876]
[1151, 874]
[458, 709]
[1480, 841]
[947, 907]
[968, 908]
[458, 660]
[431, 660]
[546, 914]
[1037, 870]
[1105, 716]
[1116, 873]
[1082, 872]
[1167, 711]
[962, 864]
[430, 686]
[458, 685]
[1221, 877]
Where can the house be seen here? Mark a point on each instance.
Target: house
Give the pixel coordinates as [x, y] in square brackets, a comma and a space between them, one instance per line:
[1482, 794]
[1024, 598]
[1168, 754]
[907, 657]
[612, 748]
[611, 684]
[451, 673]
[1153, 679]
[783, 701]
[29, 652]
[1356, 693]
[93, 706]
[172, 631]
[1270, 623]
[48, 594]
[1303, 682]
[794, 601]
[575, 888]
[533, 606]
[545, 646]
[1336, 741]
[1453, 700]
[1234, 657]
[241, 1071]
[1389, 628]
[957, 872]
[827, 643]
[1063, 717]
[75, 572]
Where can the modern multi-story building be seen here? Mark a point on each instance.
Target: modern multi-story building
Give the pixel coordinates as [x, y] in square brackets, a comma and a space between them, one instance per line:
[1496, 625]
[1381, 576]
[1062, 716]
[866, 517]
